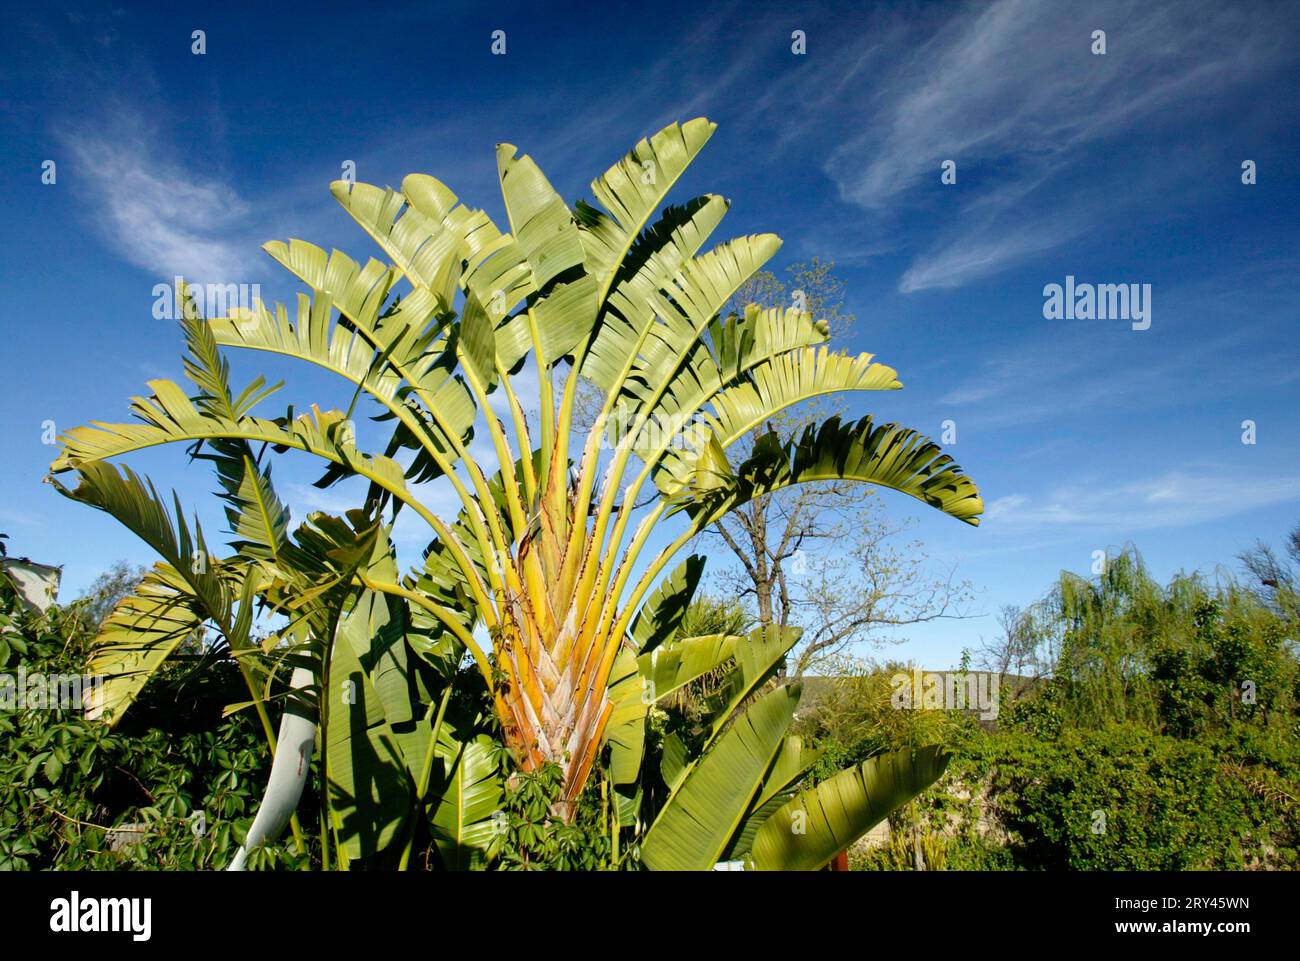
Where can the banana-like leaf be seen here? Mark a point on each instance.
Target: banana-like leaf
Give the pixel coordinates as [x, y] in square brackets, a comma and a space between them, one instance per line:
[740, 343]
[888, 455]
[793, 761]
[756, 660]
[633, 189]
[376, 629]
[661, 615]
[477, 342]
[135, 503]
[376, 745]
[311, 335]
[682, 311]
[672, 665]
[357, 292]
[625, 731]
[696, 825]
[370, 789]
[191, 587]
[555, 324]
[258, 519]
[137, 637]
[219, 592]
[170, 417]
[638, 682]
[656, 257]
[314, 586]
[779, 383]
[809, 831]
[660, 253]
[397, 358]
[429, 246]
[735, 349]
[547, 243]
[466, 794]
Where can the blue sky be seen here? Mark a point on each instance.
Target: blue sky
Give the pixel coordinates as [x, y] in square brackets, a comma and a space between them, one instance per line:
[1122, 168]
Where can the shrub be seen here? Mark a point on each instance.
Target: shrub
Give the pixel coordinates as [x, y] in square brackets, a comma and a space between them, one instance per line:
[183, 778]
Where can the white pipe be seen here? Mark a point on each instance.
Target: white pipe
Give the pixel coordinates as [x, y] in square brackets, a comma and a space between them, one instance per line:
[289, 770]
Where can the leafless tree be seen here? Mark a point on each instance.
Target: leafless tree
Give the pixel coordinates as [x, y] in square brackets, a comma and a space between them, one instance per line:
[824, 556]
[847, 575]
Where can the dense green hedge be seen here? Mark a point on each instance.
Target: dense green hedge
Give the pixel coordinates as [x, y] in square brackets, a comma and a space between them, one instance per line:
[1123, 798]
[1167, 738]
[174, 765]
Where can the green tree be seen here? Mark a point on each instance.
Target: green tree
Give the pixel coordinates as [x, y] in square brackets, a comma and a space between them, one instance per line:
[549, 554]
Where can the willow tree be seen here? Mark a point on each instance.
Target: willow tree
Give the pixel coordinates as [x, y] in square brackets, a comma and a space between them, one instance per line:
[560, 540]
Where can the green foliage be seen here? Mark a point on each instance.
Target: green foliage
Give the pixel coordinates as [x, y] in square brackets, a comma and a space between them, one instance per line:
[1180, 658]
[535, 838]
[1163, 738]
[1122, 798]
[707, 614]
[185, 781]
[685, 710]
[853, 717]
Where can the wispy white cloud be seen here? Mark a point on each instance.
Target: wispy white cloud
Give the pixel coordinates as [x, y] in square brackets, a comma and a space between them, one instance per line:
[983, 249]
[1016, 78]
[153, 210]
[1012, 86]
[1172, 499]
[1059, 373]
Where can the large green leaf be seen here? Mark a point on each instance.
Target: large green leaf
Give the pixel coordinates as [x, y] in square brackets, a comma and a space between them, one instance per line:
[633, 189]
[377, 743]
[370, 788]
[789, 379]
[809, 831]
[221, 593]
[792, 763]
[546, 246]
[680, 313]
[735, 350]
[137, 637]
[672, 665]
[170, 417]
[428, 245]
[757, 658]
[258, 519]
[661, 615]
[656, 257]
[357, 292]
[466, 792]
[376, 628]
[625, 730]
[697, 824]
[637, 682]
[134, 502]
[889, 456]
[354, 354]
